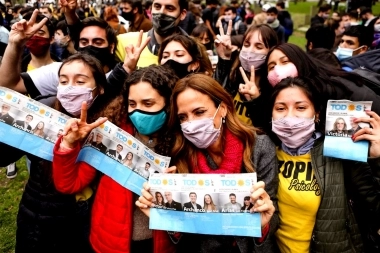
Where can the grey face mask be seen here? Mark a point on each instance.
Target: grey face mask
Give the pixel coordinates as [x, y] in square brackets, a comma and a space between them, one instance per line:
[163, 24]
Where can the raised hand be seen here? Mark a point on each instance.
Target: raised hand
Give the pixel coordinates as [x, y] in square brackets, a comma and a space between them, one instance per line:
[249, 89]
[145, 201]
[134, 52]
[262, 203]
[76, 130]
[23, 30]
[223, 42]
[370, 134]
[69, 5]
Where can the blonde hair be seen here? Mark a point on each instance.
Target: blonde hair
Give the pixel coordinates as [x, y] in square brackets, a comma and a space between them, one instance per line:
[184, 152]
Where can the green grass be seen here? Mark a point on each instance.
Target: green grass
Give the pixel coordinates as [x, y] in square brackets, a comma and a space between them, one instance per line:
[10, 195]
[298, 39]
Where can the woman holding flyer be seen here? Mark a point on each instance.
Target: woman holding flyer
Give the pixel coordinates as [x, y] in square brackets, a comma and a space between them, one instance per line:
[47, 220]
[288, 60]
[209, 138]
[319, 197]
[142, 110]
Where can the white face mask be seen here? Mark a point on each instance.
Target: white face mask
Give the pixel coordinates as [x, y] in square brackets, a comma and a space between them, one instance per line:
[71, 98]
[201, 132]
[377, 27]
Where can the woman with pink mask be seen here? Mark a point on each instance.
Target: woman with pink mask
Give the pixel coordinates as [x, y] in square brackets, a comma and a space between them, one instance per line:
[325, 204]
[288, 60]
[242, 72]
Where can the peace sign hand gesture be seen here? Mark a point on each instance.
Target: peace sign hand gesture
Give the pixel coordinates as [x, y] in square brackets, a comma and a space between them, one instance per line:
[76, 130]
[69, 5]
[249, 89]
[133, 53]
[223, 42]
[23, 30]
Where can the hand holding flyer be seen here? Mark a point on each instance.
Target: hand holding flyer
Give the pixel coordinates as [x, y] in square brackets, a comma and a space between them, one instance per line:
[370, 134]
[207, 203]
[34, 127]
[341, 125]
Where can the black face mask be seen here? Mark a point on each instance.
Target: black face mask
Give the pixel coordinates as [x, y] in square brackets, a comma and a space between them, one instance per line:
[102, 54]
[164, 25]
[180, 69]
[127, 15]
[208, 46]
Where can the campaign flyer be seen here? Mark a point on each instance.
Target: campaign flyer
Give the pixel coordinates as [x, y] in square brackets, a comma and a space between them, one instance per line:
[119, 155]
[340, 126]
[33, 127]
[204, 203]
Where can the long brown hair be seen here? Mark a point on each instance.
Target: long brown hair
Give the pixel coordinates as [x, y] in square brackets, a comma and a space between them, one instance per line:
[184, 152]
[268, 36]
[193, 47]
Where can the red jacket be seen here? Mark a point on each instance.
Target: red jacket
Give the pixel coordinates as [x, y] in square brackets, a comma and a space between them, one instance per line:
[112, 211]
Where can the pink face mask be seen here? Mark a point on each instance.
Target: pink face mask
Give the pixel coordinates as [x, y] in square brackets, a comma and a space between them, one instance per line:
[280, 72]
[201, 132]
[71, 98]
[293, 131]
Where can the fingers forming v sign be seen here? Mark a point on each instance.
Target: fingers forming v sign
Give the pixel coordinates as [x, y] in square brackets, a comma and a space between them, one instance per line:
[223, 42]
[134, 52]
[249, 89]
[76, 130]
[68, 4]
[23, 30]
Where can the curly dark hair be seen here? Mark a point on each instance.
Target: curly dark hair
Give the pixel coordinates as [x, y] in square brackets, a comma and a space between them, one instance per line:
[163, 80]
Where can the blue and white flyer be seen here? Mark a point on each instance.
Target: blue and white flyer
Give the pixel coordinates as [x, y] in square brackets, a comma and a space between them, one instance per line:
[33, 127]
[204, 204]
[340, 126]
[28, 124]
[119, 155]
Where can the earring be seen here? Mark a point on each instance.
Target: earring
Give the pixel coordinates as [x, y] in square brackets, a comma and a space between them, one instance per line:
[224, 120]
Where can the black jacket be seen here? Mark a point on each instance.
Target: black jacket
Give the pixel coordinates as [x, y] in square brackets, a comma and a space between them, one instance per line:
[349, 212]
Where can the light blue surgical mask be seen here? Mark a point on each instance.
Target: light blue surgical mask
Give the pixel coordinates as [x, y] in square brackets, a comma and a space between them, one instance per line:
[147, 123]
[343, 53]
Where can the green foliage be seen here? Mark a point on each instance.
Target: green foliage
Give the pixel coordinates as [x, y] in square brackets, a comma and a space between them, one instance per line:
[298, 39]
[10, 195]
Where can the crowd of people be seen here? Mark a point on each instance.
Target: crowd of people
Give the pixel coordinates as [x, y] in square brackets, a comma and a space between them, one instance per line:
[261, 108]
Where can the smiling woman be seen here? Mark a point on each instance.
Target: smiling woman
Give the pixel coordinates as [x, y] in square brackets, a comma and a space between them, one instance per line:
[142, 110]
[184, 55]
[48, 220]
